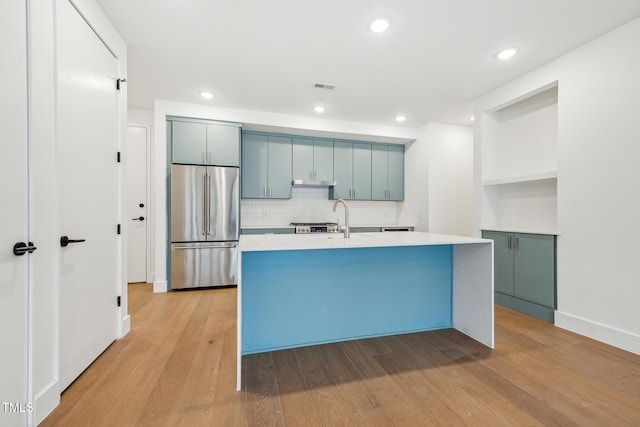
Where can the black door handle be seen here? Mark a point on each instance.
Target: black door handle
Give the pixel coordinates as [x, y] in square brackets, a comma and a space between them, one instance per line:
[141, 205]
[64, 241]
[22, 248]
[140, 218]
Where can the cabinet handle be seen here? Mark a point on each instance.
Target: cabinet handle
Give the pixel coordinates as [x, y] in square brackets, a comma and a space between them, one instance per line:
[203, 158]
[509, 242]
[264, 191]
[270, 192]
[389, 194]
[517, 243]
[354, 193]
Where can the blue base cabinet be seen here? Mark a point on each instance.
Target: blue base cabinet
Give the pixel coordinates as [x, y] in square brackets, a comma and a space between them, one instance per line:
[525, 272]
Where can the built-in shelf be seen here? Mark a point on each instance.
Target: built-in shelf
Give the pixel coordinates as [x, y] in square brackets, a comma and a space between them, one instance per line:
[542, 176]
[519, 164]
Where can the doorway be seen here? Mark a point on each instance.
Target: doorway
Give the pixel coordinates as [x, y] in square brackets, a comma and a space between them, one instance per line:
[137, 164]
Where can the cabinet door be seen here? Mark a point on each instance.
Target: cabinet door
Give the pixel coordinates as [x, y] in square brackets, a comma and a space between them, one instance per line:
[342, 169]
[378, 172]
[223, 145]
[534, 266]
[280, 167]
[323, 160]
[362, 171]
[189, 143]
[395, 172]
[303, 158]
[502, 260]
[254, 166]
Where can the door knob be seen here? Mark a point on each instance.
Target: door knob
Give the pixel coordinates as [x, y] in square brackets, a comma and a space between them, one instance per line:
[141, 205]
[140, 218]
[22, 248]
[64, 241]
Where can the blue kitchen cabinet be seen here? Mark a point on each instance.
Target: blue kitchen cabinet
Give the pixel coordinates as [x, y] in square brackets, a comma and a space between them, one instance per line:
[351, 171]
[312, 159]
[201, 143]
[395, 172]
[525, 272]
[223, 145]
[189, 142]
[387, 172]
[266, 166]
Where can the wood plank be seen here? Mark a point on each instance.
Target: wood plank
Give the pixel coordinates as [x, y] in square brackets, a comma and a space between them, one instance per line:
[177, 367]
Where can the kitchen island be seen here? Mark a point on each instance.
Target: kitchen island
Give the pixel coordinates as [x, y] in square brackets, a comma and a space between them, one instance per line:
[299, 290]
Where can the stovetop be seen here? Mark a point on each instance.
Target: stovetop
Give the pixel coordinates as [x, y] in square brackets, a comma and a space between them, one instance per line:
[313, 223]
[315, 227]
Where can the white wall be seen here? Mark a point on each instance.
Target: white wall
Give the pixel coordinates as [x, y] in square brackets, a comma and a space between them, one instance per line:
[450, 179]
[598, 174]
[439, 180]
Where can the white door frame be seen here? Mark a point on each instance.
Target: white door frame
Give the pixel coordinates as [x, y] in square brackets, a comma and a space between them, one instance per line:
[149, 217]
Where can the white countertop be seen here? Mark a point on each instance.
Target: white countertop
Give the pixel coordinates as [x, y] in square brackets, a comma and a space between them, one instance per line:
[284, 242]
[263, 227]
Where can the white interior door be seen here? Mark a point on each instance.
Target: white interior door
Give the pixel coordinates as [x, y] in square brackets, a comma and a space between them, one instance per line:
[14, 225]
[136, 181]
[87, 178]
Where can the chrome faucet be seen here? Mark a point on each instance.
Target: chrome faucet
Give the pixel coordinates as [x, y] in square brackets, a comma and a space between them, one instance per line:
[347, 233]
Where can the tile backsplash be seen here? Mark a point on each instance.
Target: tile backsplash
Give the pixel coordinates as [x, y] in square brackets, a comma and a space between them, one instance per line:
[313, 205]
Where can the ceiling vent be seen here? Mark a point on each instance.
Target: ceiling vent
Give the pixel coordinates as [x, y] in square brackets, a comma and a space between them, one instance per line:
[325, 86]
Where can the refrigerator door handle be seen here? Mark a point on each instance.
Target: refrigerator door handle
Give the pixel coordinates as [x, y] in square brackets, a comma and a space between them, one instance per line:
[204, 204]
[226, 246]
[208, 203]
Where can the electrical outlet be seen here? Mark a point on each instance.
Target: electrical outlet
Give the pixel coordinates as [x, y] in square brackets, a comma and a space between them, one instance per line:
[265, 213]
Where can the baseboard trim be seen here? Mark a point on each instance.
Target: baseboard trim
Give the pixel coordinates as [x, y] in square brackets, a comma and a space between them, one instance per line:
[159, 286]
[125, 326]
[616, 337]
[46, 401]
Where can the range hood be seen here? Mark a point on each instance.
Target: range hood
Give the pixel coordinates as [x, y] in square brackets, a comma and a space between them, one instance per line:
[312, 183]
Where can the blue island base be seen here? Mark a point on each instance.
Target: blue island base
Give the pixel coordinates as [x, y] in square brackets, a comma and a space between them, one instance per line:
[305, 297]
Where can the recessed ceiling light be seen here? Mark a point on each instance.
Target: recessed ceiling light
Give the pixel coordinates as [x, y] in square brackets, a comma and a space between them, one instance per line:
[318, 109]
[206, 95]
[472, 118]
[380, 25]
[506, 53]
[401, 118]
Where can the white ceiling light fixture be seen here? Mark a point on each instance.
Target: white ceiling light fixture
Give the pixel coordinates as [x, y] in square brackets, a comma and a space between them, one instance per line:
[206, 95]
[507, 53]
[380, 25]
[472, 118]
[319, 109]
[400, 118]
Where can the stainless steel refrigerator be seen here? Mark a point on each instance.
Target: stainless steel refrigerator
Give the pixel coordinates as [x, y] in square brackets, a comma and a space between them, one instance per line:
[205, 211]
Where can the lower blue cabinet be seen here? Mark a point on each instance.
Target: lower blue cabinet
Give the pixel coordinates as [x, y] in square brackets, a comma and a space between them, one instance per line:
[525, 272]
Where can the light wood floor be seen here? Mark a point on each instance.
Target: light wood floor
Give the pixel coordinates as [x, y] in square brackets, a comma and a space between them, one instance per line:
[177, 368]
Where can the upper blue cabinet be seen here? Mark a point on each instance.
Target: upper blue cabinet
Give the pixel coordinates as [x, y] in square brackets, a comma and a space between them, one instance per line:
[361, 170]
[266, 166]
[312, 159]
[387, 172]
[351, 170]
[202, 143]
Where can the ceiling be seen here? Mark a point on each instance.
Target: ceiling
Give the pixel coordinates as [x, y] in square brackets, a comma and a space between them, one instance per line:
[437, 57]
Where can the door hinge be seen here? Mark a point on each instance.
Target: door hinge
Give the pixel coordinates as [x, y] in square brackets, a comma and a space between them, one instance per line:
[118, 301]
[119, 81]
[118, 156]
[118, 229]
